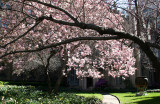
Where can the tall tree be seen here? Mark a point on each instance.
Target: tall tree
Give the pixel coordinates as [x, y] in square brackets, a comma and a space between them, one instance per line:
[56, 30]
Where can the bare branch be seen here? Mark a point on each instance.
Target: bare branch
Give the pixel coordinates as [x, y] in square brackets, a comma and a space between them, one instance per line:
[153, 45]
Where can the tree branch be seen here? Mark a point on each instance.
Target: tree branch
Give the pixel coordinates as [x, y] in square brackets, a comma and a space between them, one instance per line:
[56, 7]
[14, 27]
[153, 45]
[19, 37]
[61, 43]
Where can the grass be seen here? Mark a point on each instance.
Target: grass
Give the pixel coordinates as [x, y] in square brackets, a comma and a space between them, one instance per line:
[13, 94]
[82, 93]
[131, 98]
[96, 95]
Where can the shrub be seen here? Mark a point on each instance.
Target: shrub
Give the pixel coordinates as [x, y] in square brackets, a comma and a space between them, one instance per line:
[30, 95]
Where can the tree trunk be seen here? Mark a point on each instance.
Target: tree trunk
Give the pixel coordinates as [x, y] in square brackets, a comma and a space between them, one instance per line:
[47, 73]
[48, 81]
[58, 82]
[64, 62]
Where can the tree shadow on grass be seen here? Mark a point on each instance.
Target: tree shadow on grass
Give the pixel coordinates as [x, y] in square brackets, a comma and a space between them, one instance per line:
[131, 96]
[148, 100]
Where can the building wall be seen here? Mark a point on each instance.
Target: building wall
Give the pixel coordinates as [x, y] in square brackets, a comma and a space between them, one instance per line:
[83, 83]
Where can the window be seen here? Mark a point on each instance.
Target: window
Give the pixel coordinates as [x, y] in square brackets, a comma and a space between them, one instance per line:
[72, 78]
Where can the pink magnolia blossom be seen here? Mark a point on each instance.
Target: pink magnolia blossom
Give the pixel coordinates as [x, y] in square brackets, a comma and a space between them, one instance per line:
[86, 57]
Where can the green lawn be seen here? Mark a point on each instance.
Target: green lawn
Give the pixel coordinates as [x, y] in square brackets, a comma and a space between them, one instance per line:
[99, 96]
[131, 98]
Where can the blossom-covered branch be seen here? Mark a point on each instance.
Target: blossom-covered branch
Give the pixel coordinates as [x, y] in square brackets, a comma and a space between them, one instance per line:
[62, 43]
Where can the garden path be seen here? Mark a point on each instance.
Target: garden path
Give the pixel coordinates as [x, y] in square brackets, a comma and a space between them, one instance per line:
[110, 99]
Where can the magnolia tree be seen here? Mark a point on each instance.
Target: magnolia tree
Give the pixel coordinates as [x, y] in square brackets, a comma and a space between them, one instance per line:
[111, 56]
[33, 25]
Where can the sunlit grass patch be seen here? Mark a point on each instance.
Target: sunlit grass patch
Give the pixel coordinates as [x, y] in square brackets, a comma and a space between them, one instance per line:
[131, 98]
[96, 95]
